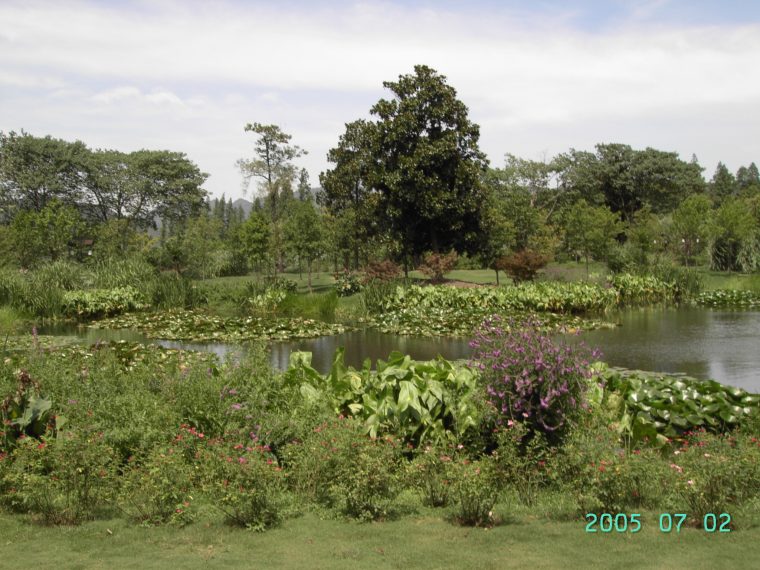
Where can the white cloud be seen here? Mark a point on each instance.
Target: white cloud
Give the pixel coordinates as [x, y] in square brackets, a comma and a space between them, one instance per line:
[189, 75]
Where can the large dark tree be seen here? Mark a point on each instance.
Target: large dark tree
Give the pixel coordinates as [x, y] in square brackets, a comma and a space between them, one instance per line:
[625, 180]
[347, 193]
[428, 167]
[140, 186]
[34, 171]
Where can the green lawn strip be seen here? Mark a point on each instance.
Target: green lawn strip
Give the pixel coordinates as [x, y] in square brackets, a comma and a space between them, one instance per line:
[421, 541]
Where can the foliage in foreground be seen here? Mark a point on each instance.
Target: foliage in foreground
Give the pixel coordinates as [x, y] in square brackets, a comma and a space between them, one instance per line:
[159, 434]
[417, 401]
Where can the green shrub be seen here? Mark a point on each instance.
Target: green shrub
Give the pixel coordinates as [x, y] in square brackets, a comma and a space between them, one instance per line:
[346, 283]
[96, 303]
[158, 489]
[415, 401]
[338, 466]
[476, 491]
[432, 475]
[716, 472]
[62, 480]
[376, 294]
[641, 289]
[602, 476]
[246, 483]
[522, 460]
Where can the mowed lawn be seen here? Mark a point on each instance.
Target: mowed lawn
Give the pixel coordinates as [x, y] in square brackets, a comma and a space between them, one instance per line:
[419, 541]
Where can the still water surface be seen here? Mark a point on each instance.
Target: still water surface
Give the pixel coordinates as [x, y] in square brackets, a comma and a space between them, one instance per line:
[704, 343]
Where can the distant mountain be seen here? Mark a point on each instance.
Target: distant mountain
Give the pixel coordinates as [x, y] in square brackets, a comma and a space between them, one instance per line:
[245, 204]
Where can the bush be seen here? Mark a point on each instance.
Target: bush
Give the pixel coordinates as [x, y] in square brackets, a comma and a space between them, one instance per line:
[246, 483]
[338, 466]
[346, 283]
[436, 265]
[158, 489]
[377, 294]
[522, 460]
[385, 270]
[476, 491]
[530, 378]
[522, 265]
[96, 303]
[432, 474]
[716, 472]
[170, 290]
[62, 480]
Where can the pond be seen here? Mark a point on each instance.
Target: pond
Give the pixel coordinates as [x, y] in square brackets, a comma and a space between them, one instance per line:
[705, 343]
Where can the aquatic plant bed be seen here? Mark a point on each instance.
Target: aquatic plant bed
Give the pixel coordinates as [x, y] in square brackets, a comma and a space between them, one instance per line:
[729, 298]
[199, 326]
[655, 405]
[30, 341]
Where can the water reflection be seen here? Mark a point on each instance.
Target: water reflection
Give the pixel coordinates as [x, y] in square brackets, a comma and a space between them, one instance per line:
[369, 343]
[704, 343]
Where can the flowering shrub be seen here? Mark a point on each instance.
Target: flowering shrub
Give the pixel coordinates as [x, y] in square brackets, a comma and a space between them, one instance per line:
[476, 491]
[62, 480]
[530, 378]
[340, 467]
[432, 474]
[716, 472]
[159, 490]
[522, 460]
[246, 483]
[347, 283]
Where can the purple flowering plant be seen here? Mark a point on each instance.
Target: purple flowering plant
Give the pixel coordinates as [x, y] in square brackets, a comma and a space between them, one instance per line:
[529, 377]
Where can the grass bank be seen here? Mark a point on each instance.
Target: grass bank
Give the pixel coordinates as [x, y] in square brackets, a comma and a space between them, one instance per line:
[423, 541]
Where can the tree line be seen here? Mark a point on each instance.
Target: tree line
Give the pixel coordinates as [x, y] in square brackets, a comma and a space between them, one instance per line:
[408, 181]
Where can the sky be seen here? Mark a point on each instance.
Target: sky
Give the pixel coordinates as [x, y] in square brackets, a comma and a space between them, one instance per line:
[539, 77]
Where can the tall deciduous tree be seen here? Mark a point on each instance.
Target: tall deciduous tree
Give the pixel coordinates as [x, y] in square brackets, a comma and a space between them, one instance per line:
[35, 171]
[428, 166]
[144, 185]
[591, 231]
[347, 191]
[273, 167]
[303, 232]
[691, 225]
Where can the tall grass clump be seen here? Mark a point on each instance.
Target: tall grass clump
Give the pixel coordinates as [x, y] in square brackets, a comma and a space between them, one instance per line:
[114, 272]
[64, 275]
[310, 306]
[686, 282]
[377, 294]
[169, 290]
[29, 293]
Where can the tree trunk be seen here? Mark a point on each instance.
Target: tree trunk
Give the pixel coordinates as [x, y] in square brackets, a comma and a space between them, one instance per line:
[309, 264]
[497, 277]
